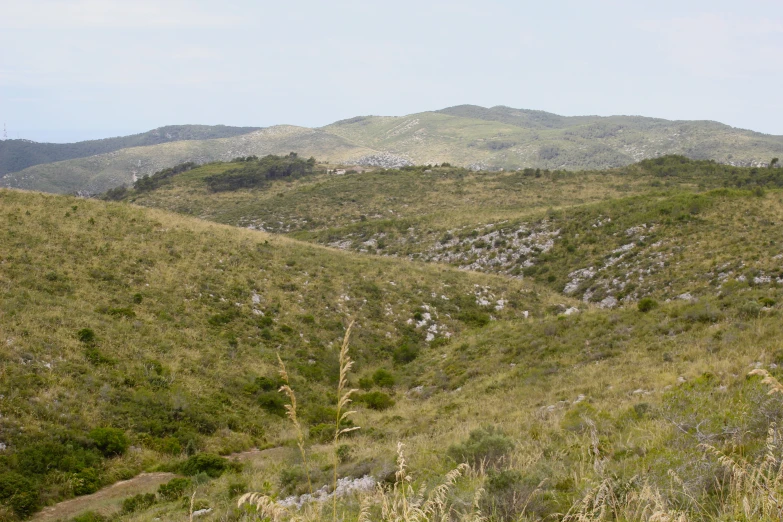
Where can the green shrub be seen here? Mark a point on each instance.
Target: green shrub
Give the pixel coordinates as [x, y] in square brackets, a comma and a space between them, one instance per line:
[272, 401]
[486, 446]
[86, 335]
[366, 383]
[86, 481]
[344, 453]
[174, 489]
[405, 354]
[322, 433]
[383, 378]
[577, 419]
[236, 488]
[12, 483]
[376, 400]
[291, 479]
[137, 503]
[110, 441]
[211, 464]
[24, 503]
[646, 304]
[474, 318]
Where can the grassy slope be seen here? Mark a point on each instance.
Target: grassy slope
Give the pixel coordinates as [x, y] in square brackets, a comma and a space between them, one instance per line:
[607, 234]
[98, 173]
[186, 315]
[16, 155]
[654, 385]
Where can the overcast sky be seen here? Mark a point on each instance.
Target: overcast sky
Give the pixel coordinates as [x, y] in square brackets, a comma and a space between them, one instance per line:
[80, 69]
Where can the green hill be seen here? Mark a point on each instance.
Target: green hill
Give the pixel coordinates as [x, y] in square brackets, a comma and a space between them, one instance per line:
[96, 174]
[502, 137]
[135, 339]
[596, 235]
[467, 136]
[16, 155]
[168, 329]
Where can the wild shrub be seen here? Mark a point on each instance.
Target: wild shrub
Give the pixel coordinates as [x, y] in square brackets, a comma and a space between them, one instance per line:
[405, 354]
[42, 457]
[486, 446]
[86, 481]
[110, 441]
[509, 494]
[383, 378]
[579, 417]
[86, 335]
[174, 489]
[376, 400]
[20, 493]
[137, 503]
[321, 433]
[24, 503]
[646, 304]
[474, 318]
[272, 402]
[209, 463]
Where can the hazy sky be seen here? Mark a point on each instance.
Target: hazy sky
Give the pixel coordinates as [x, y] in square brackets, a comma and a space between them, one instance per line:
[82, 69]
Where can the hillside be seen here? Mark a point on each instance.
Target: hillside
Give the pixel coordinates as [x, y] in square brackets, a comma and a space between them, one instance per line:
[135, 339]
[600, 236]
[16, 155]
[467, 136]
[168, 329]
[96, 174]
[502, 137]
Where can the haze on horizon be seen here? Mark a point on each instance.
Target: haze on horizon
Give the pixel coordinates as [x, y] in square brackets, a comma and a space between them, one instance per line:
[84, 69]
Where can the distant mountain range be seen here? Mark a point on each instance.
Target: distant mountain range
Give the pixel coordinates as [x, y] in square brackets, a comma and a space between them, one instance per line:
[466, 135]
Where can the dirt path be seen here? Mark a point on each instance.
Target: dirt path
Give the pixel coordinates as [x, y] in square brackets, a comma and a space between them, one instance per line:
[106, 500]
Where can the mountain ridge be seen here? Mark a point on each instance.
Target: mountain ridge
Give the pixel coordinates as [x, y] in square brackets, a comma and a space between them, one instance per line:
[470, 136]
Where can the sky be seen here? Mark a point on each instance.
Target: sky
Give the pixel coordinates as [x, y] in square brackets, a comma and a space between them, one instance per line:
[84, 69]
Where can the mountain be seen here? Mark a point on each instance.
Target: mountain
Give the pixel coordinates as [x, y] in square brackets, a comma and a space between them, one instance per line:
[468, 136]
[16, 155]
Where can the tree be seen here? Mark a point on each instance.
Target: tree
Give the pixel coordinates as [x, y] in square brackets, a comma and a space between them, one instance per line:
[773, 162]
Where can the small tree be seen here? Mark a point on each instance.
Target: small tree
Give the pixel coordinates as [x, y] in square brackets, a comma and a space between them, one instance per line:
[773, 162]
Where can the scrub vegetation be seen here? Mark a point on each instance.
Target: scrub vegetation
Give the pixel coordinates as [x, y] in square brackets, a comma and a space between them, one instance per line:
[532, 345]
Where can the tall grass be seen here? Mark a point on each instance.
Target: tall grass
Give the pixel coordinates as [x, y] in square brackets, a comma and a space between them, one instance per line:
[343, 400]
[290, 410]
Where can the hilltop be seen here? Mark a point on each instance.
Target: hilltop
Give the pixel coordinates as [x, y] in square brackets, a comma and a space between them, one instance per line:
[467, 136]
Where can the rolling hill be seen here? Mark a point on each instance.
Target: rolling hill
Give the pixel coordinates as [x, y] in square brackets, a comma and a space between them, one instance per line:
[16, 155]
[468, 136]
[135, 339]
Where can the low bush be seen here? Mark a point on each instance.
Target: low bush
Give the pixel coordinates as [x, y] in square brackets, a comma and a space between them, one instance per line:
[376, 400]
[646, 304]
[383, 378]
[137, 503]
[110, 441]
[405, 354]
[209, 463]
[487, 446]
[174, 489]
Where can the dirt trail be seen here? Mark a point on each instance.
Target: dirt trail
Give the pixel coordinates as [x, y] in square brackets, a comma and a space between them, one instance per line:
[107, 500]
